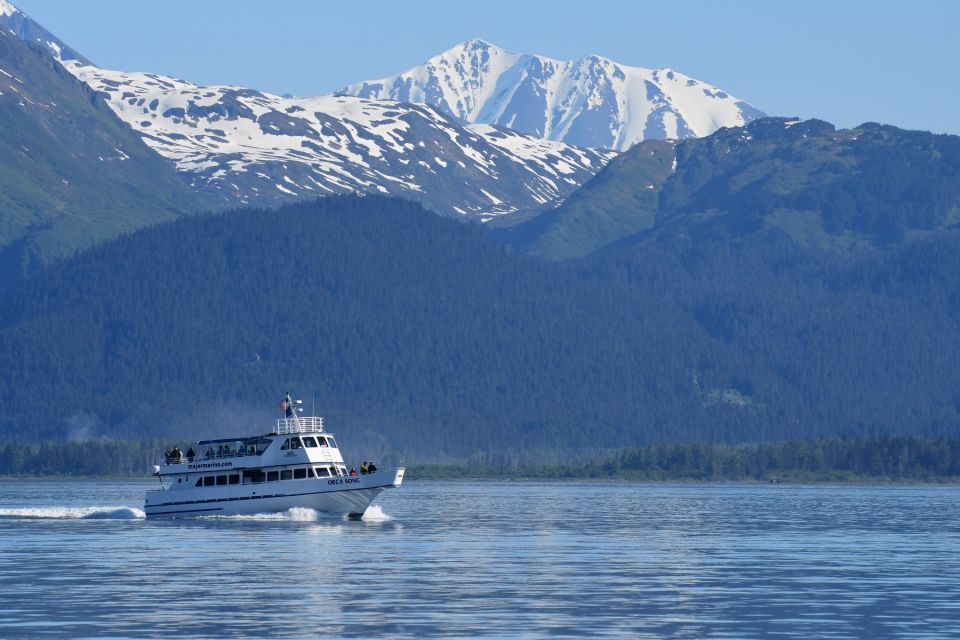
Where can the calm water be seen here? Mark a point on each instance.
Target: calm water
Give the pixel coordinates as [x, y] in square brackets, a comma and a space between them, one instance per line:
[491, 559]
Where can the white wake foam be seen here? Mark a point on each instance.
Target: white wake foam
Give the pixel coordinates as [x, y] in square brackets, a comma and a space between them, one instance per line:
[296, 513]
[75, 513]
[374, 513]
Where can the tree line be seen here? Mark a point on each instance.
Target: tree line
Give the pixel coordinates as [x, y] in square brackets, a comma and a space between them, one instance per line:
[829, 459]
[885, 458]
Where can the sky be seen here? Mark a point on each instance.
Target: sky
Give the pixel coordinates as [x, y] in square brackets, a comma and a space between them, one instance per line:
[843, 61]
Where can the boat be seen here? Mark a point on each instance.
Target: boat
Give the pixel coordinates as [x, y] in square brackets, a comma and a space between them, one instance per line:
[296, 464]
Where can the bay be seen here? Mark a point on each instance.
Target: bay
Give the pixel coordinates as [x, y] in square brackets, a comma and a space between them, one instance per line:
[490, 559]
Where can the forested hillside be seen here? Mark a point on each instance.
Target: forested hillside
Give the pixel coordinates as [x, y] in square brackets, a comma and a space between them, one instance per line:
[71, 174]
[422, 334]
[837, 190]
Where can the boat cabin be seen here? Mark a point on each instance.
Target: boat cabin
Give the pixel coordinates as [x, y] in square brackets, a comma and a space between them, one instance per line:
[296, 449]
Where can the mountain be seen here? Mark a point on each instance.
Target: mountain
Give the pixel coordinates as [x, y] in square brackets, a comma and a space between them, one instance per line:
[236, 146]
[71, 174]
[25, 28]
[839, 190]
[593, 102]
[422, 338]
[239, 146]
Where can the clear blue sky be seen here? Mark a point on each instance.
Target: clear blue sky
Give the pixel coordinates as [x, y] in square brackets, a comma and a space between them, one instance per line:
[843, 61]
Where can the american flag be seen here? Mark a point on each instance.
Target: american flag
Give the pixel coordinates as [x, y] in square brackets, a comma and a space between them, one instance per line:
[284, 405]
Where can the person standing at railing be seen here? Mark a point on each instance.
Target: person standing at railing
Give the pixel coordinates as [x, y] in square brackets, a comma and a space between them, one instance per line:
[190, 454]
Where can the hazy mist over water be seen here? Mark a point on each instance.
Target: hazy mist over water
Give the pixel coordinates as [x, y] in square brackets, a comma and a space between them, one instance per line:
[490, 559]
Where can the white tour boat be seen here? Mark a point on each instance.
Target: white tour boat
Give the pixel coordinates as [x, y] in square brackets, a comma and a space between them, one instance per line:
[297, 464]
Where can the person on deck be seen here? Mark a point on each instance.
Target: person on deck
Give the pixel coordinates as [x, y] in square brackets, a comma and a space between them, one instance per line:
[190, 455]
[364, 469]
[371, 467]
[353, 471]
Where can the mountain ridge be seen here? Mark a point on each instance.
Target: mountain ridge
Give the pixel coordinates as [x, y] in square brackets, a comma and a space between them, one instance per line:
[592, 102]
[71, 174]
[839, 189]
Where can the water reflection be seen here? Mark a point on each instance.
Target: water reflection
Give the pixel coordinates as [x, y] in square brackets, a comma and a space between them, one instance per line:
[492, 559]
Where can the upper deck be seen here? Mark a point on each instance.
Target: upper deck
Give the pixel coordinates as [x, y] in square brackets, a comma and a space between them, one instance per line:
[299, 424]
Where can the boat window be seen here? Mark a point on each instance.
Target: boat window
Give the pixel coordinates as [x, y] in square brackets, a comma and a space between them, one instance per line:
[235, 478]
[286, 445]
[294, 443]
[322, 472]
[310, 472]
[252, 475]
[273, 476]
[199, 482]
[333, 443]
[286, 474]
[323, 441]
[299, 474]
[221, 480]
[209, 480]
[309, 442]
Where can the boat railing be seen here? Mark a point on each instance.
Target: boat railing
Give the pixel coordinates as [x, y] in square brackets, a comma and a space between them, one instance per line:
[305, 424]
[204, 457]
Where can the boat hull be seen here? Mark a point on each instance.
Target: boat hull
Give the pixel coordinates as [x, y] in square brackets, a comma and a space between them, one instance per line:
[348, 496]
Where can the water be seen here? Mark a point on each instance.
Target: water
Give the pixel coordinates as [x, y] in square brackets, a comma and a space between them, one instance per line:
[490, 559]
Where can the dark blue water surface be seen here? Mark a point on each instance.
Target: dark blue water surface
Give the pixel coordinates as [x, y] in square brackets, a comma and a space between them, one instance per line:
[490, 559]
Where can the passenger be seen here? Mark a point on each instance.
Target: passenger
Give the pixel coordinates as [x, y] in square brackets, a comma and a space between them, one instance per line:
[177, 455]
[168, 456]
[353, 471]
[190, 455]
[209, 453]
[219, 450]
[371, 467]
[226, 450]
[364, 469]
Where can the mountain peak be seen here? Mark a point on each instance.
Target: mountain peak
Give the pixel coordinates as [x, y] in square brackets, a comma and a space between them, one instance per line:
[27, 30]
[592, 102]
[474, 43]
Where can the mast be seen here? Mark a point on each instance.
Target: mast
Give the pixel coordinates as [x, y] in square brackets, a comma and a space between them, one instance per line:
[291, 409]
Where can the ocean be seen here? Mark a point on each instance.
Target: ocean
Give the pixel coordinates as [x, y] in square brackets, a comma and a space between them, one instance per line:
[491, 560]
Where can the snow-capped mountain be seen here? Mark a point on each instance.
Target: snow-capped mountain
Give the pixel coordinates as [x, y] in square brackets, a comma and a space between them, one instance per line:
[247, 147]
[28, 30]
[239, 146]
[593, 102]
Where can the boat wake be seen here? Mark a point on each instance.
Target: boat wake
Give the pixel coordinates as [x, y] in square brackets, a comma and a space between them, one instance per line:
[375, 513]
[296, 514]
[74, 513]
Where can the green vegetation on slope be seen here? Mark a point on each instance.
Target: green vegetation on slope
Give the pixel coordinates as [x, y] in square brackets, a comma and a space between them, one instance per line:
[837, 190]
[71, 174]
[421, 336]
